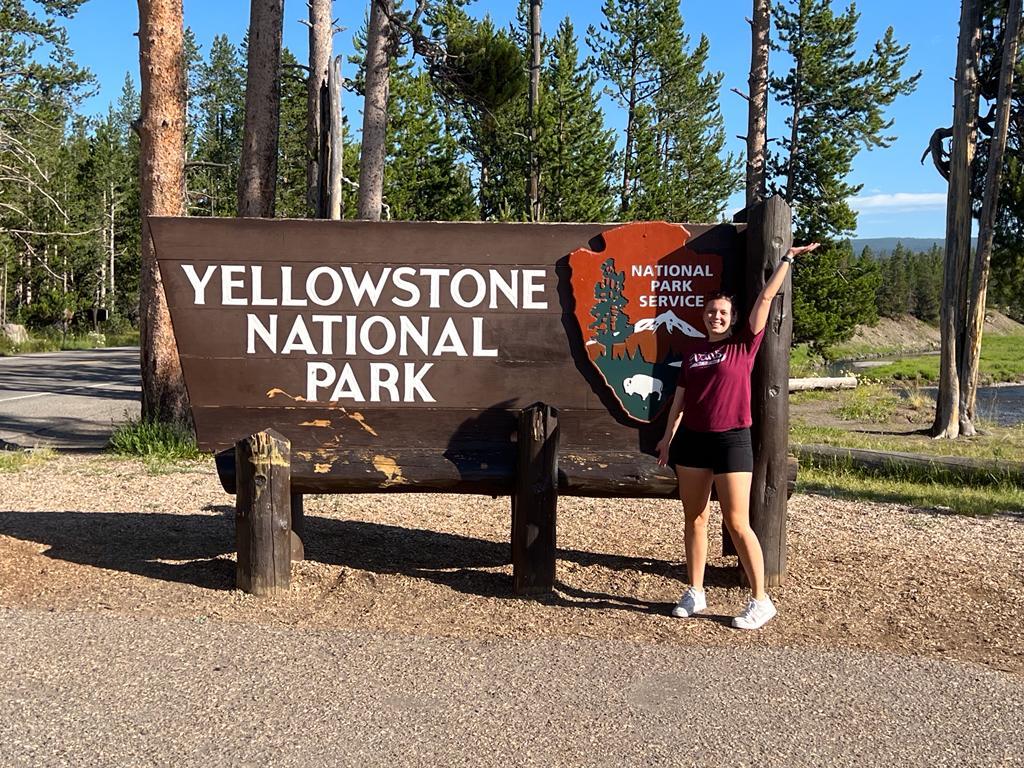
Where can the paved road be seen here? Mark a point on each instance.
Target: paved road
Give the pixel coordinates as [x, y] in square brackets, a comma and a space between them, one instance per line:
[67, 400]
[112, 690]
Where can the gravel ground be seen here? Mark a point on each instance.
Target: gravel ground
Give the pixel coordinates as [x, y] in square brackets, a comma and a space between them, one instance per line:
[899, 634]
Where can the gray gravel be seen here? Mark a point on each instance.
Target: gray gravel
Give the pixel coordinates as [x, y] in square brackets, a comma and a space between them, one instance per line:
[91, 689]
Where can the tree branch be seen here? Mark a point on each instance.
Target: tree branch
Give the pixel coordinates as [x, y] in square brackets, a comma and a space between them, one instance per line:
[939, 155]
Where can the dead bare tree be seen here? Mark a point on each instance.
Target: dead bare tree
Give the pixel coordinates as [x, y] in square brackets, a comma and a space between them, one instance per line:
[533, 180]
[970, 351]
[162, 193]
[379, 45]
[257, 176]
[958, 218]
[757, 100]
[321, 48]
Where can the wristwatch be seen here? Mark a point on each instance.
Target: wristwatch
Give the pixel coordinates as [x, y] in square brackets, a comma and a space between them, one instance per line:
[787, 258]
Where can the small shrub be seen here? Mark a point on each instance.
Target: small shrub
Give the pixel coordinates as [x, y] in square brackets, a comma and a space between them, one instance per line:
[154, 439]
[869, 402]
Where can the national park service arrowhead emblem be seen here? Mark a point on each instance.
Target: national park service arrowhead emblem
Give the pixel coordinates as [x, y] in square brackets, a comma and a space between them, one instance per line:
[639, 304]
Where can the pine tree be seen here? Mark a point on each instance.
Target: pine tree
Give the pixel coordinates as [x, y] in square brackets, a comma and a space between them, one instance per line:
[926, 284]
[836, 106]
[671, 159]
[39, 82]
[684, 175]
[424, 179]
[292, 200]
[838, 292]
[487, 81]
[894, 296]
[217, 102]
[192, 61]
[575, 151]
[128, 220]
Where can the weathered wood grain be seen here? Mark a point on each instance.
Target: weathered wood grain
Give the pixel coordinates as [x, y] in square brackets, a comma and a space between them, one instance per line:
[535, 502]
[769, 236]
[263, 514]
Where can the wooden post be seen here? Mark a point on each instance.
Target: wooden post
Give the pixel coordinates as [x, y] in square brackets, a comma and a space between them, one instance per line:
[263, 513]
[536, 502]
[769, 236]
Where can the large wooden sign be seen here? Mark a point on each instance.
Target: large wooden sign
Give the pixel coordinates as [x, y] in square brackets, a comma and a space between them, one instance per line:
[377, 337]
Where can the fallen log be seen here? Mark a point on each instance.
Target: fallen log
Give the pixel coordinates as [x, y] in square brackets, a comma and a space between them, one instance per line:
[826, 382]
[956, 468]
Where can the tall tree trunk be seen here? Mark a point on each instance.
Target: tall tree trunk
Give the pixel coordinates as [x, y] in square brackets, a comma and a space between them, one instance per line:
[533, 184]
[375, 110]
[336, 171]
[101, 288]
[975, 320]
[113, 251]
[627, 179]
[757, 105]
[257, 173]
[321, 36]
[161, 193]
[958, 219]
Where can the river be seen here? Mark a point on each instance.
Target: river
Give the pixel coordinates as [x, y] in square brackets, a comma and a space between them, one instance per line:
[1002, 404]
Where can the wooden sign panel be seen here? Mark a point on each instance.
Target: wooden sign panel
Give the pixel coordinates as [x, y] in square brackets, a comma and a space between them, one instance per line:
[356, 335]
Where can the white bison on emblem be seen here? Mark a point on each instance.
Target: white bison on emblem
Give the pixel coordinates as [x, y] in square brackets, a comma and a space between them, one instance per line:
[643, 385]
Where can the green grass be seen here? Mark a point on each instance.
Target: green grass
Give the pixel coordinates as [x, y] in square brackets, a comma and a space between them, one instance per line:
[1002, 359]
[997, 443]
[14, 460]
[804, 363]
[871, 402]
[157, 441]
[53, 341]
[957, 498]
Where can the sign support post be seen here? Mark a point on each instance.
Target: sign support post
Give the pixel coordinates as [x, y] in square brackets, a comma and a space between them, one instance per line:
[535, 502]
[769, 236]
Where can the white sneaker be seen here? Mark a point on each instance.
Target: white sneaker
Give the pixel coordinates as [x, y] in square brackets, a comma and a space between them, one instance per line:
[692, 601]
[756, 614]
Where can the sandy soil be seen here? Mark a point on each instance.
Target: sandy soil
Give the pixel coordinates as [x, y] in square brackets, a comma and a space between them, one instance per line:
[103, 535]
[910, 334]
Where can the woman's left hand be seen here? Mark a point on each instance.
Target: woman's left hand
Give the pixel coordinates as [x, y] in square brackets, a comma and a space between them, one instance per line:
[800, 250]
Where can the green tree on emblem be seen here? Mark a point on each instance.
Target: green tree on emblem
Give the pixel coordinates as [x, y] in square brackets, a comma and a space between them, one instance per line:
[611, 323]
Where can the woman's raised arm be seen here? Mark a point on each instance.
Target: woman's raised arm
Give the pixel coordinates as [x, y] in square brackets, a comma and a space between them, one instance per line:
[763, 305]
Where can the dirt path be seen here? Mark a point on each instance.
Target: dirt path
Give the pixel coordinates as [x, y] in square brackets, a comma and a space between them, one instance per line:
[99, 535]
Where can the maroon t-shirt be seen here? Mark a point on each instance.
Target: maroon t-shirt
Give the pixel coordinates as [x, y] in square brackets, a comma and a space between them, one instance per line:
[716, 378]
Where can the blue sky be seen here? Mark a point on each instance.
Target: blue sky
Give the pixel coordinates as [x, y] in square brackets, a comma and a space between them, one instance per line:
[901, 197]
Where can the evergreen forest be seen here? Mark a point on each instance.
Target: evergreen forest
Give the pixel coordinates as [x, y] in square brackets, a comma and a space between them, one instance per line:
[464, 138]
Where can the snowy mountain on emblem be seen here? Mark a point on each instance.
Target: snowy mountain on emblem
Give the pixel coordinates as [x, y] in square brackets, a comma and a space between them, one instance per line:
[670, 322]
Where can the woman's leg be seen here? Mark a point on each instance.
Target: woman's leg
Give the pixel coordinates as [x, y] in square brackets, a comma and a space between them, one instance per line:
[695, 493]
[734, 496]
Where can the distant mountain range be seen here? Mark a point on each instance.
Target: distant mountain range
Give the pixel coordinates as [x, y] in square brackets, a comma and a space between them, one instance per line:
[885, 245]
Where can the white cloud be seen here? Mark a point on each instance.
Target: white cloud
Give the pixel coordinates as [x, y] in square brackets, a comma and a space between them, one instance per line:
[899, 201]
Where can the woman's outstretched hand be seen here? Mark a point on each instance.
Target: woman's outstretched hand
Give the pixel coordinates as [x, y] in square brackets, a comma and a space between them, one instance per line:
[800, 250]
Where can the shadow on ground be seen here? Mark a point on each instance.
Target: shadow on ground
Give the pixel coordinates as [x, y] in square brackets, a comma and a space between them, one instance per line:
[191, 549]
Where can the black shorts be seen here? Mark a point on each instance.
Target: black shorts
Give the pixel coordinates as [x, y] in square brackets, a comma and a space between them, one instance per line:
[720, 452]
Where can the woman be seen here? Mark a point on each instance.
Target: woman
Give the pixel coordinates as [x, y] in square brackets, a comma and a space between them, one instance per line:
[707, 439]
